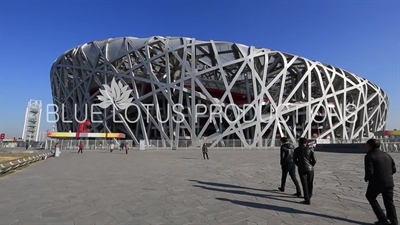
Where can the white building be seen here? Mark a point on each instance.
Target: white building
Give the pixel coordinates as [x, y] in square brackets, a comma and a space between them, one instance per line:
[32, 121]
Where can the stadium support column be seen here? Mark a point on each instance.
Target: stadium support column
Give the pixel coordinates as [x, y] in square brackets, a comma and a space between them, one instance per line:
[25, 124]
[39, 117]
[104, 111]
[309, 105]
[360, 131]
[193, 135]
[249, 131]
[294, 123]
[344, 113]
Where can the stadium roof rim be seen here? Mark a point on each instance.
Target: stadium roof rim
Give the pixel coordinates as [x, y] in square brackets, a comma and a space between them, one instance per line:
[145, 39]
[173, 37]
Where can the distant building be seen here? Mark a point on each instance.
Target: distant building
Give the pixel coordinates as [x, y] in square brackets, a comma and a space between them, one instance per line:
[32, 121]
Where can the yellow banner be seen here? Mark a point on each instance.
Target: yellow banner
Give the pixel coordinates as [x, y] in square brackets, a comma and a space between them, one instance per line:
[9, 140]
[84, 135]
[392, 133]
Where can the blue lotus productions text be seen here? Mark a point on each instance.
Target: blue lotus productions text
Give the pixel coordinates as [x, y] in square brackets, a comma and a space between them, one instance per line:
[246, 113]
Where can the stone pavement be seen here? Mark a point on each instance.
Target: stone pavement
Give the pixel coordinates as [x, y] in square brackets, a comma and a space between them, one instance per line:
[179, 187]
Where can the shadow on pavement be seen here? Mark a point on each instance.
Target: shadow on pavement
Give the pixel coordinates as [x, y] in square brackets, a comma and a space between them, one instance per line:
[288, 210]
[238, 192]
[238, 187]
[265, 206]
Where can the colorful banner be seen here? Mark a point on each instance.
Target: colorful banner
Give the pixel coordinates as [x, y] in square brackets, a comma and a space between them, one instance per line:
[392, 132]
[10, 140]
[84, 135]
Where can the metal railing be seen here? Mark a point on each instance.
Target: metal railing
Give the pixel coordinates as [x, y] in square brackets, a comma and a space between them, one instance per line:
[35, 145]
[13, 164]
[232, 144]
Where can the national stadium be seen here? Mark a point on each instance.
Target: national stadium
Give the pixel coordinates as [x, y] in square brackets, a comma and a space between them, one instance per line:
[250, 94]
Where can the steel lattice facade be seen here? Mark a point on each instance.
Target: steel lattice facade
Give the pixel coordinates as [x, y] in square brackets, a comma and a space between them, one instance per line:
[165, 71]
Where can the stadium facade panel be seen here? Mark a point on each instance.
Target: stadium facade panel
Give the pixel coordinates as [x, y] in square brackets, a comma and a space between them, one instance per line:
[251, 94]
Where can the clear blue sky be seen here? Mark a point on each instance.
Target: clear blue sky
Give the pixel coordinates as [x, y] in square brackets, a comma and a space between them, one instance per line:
[359, 36]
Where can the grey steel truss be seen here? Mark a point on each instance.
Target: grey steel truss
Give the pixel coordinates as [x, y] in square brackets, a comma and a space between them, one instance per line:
[284, 90]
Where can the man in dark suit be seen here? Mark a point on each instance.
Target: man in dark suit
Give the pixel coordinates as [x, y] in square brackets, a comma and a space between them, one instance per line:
[379, 170]
[288, 165]
[304, 158]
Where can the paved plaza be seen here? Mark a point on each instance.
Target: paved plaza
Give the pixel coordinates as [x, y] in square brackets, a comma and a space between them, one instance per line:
[179, 187]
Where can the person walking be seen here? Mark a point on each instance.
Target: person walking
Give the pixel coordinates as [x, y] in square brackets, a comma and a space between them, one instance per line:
[126, 148]
[26, 145]
[379, 170]
[304, 158]
[80, 147]
[288, 166]
[58, 150]
[112, 146]
[205, 151]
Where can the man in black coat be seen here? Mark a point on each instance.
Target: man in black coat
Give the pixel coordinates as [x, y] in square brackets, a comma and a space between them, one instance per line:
[288, 165]
[304, 158]
[379, 170]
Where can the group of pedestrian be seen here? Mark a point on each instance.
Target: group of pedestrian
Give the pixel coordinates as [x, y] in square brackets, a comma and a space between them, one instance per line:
[122, 147]
[112, 147]
[304, 158]
[379, 170]
[125, 147]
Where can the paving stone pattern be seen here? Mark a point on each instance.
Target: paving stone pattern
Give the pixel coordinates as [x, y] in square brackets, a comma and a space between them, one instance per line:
[179, 187]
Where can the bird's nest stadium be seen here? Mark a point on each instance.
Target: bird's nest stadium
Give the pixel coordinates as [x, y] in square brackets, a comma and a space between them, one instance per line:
[177, 88]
